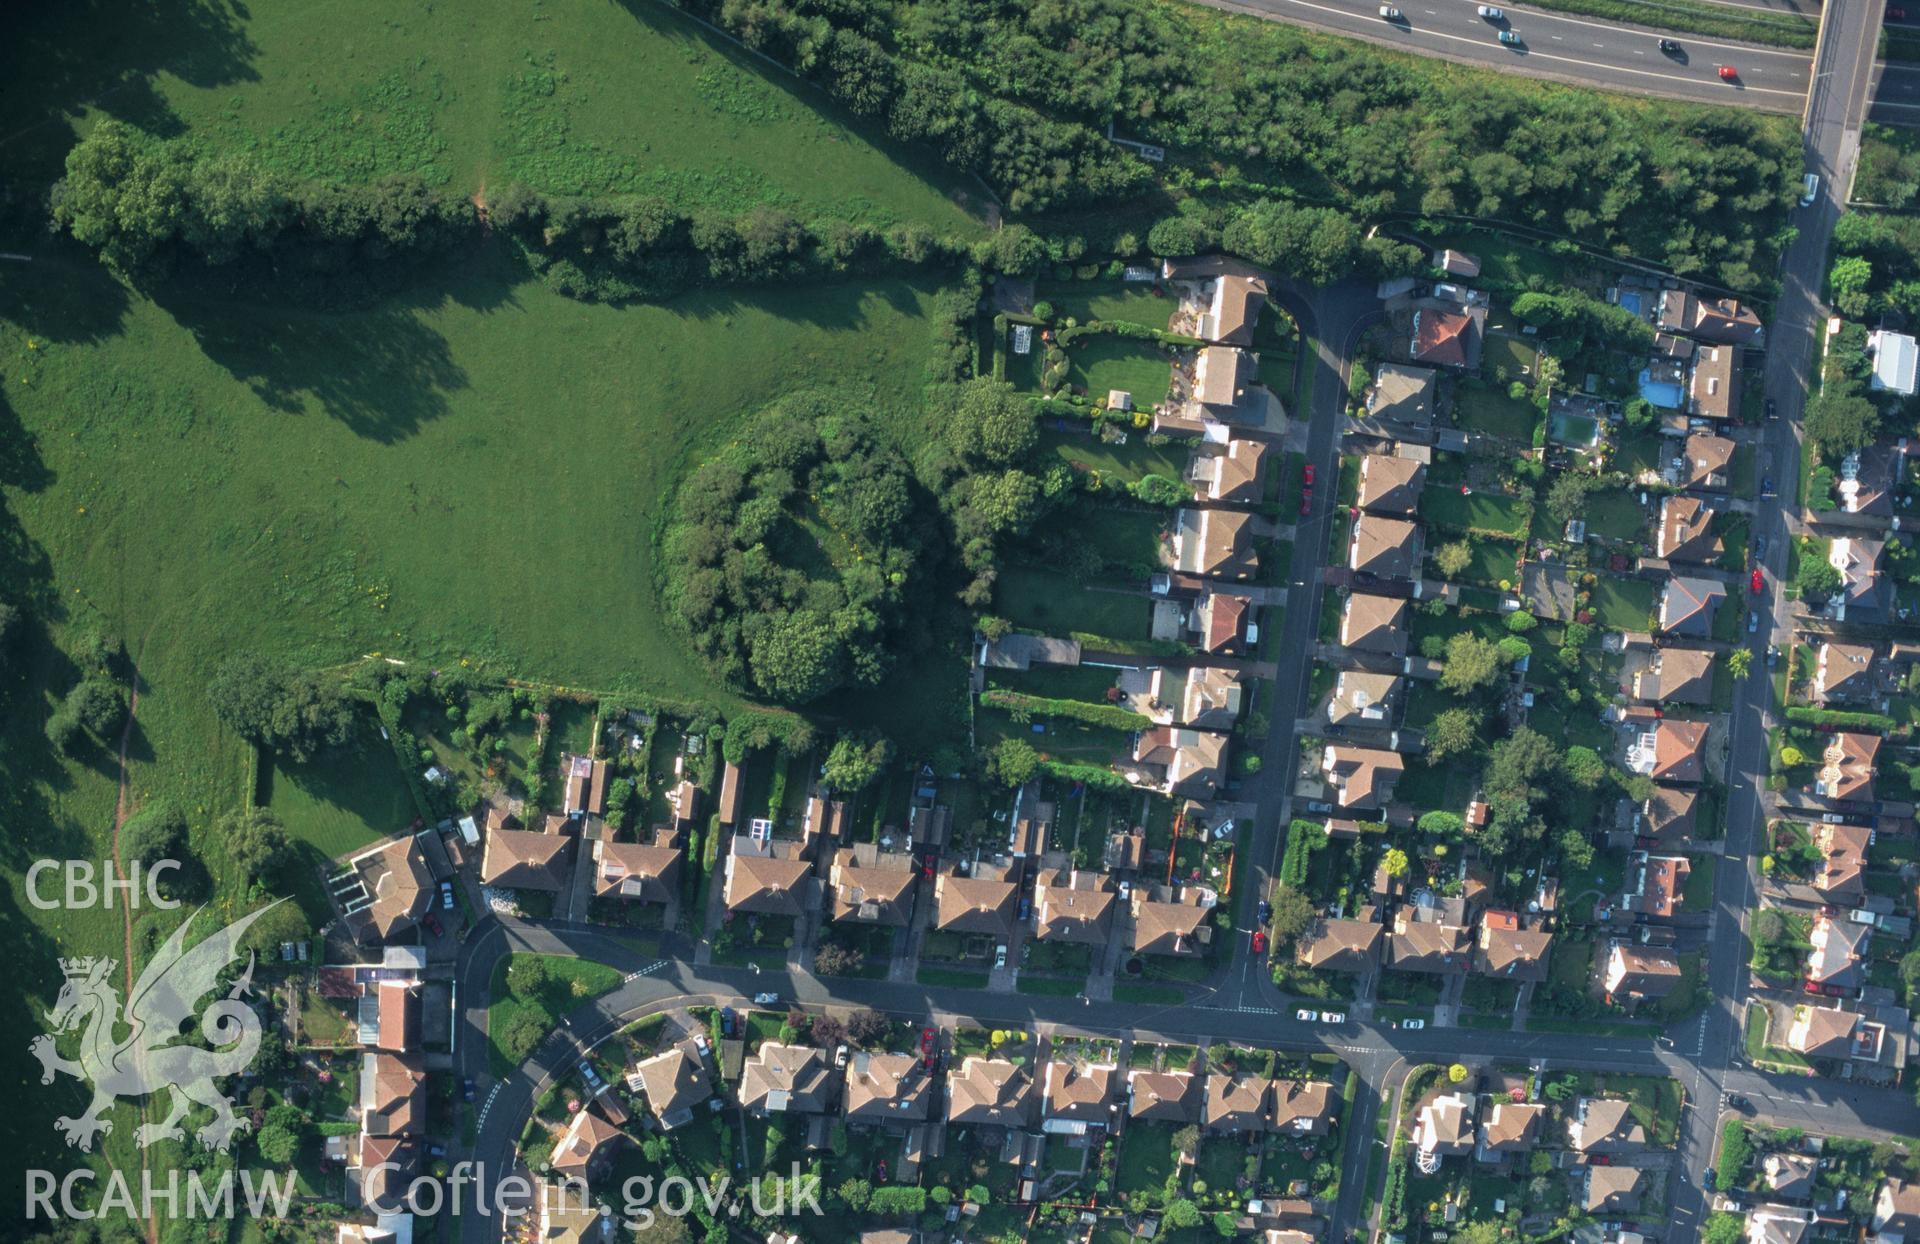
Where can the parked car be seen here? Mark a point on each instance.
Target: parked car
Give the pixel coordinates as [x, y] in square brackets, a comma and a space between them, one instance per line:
[1306, 501]
[1000, 957]
[1306, 1016]
[1259, 941]
[1772, 412]
[1710, 1179]
[1753, 621]
[1600, 1159]
[446, 895]
[1414, 1025]
[1757, 581]
[1333, 1017]
[468, 1090]
[840, 1056]
[1809, 189]
[928, 1038]
[433, 924]
[1833, 818]
[1759, 548]
[766, 999]
[1728, 73]
[1266, 912]
[1766, 486]
[1306, 475]
[1319, 806]
[728, 1022]
[1773, 655]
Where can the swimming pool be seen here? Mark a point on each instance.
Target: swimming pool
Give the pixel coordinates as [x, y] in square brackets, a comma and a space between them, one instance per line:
[1661, 393]
[1631, 301]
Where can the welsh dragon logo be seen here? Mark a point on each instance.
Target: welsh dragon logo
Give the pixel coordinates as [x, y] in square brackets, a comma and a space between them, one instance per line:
[147, 1060]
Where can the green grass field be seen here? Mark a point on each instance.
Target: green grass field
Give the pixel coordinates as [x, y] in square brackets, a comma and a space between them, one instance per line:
[1480, 511]
[1615, 513]
[1623, 604]
[1117, 464]
[1104, 362]
[1132, 302]
[613, 99]
[1044, 600]
[1483, 409]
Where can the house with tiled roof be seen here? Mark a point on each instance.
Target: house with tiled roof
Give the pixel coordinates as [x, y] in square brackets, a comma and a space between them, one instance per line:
[1075, 1096]
[393, 1094]
[1869, 476]
[1822, 1031]
[1508, 1128]
[1508, 949]
[675, 1081]
[588, 1143]
[1686, 531]
[1164, 1096]
[1236, 1103]
[1390, 485]
[1604, 1125]
[1669, 816]
[1340, 945]
[1675, 676]
[990, 1092]
[769, 877]
[1388, 548]
[1223, 621]
[1429, 946]
[1846, 767]
[1074, 906]
[1655, 884]
[1673, 751]
[888, 1089]
[1790, 1176]
[1843, 672]
[1301, 1108]
[1843, 861]
[982, 905]
[1838, 952]
[519, 859]
[1361, 777]
[643, 872]
[1230, 474]
[1864, 591]
[787, 1079]
[1374, 623]
[1713, 383]
[1222, 376]
[1896, 1210]
[398, 886]
[1725, 320]
[1208, 696]
[1168, 921]
[1233, 309]
[1610, 1189]
[1181, 761]
[1687, 606]
[1706, 462]
[1443, 1128]
[1446, 334]
[871, 886]
[1213, 542]
[1632, 973]
[1403, 394]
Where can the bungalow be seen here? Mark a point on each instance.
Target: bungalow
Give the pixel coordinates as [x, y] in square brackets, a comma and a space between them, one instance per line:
[1686, 531]
[1164, 1096]
[1632, 974]
[399, 890]
[393, 1094]
[1446, 334]
[1169, 921]
[1508, 949]
[1843, 862]
[1610, 1189]
[519, 859]
[1822, 1032]
[766, 876]
[1656, 884]
[1863, 589]
[1846, 769]
[1223, 622]
[981, 904]
[1605, 1125]
[1706, 460]
[1221, 377]
[871, 886]
[1713, 383]
[1074, 1097]
[1687, 606]
[1374, 624]
[1673, 751]
[1403, 394]
[1509, 1128]
[1675, 676]
[1896, 358]
[1213, 542]
[1073, 907]
[1236, 1103]
[1361, 777]
[1232, 473]
[1429, 946]
[1668, 816]
[675, 1081]
[993, 1092]
[588, 1143]
[787, 1079]
[1363, 699]
[1388, 548]
[1838, 949]
[1340, 945]
[1390, 485]
[1181, 761]
[638, 871]
[1301, 1108]
[1234, 310]
[1843, 672]
[888, 1088]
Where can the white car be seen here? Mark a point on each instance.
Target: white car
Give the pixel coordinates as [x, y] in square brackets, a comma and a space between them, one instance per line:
[1492, 14]
[840, 1056]
[1389, 12]
[1415, 1024]
[1809, 189]
[765, 999]
[1334, 1017]
[1306, 1017]
[1000, 957]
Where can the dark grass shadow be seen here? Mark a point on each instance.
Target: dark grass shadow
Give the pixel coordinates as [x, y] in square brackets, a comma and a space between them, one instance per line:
[62, 295]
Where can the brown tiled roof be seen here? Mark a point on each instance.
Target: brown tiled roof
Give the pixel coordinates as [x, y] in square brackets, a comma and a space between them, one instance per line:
[1237, 471]
[1605, 1125]
[1847, 771]
[1078, 1091]
[1360, 697]
[387, 1165]
[1162, 928]
[1612, 1189]
[1686, 531]
[1823, 1032]
[1225, 543]
[1340, 945]
[767, 885]
[1169, 1096]
[974, 905]
[1420, 946]
[1236, 1103]
[1374, 623]
[1074, 907]
[1221, 375]
[519, 859]
[1362, 776]
[1443, 337]
[1192, 758]
[675, 1079]
[1510, 950]
[1384, 546]
[393, 1094]
[1402, 393]
[872, 887]
[1843, 671]
[990, 1091]
[1678, 747]
[587, 1134]
[1646, 971]
[882, 1087]
[1843, 858]
[1713, 385]
[1677, 676]
[1236, 307]
[1211, 696]
[1390, 485]
[1510, 1126]
[1707, 461]
[397, 880]
[1663, 882]
[786, 1078]
[1896, 1207]
[731, 790]
[1223, 620]
[637, 870]
[399, 1005]
[1669, 814]
[1301, 1108]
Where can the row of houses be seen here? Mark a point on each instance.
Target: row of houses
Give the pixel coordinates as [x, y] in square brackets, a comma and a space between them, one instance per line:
[1496, 1130]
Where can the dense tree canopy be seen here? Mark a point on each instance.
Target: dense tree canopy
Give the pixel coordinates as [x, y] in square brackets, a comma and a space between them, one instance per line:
[279, 707]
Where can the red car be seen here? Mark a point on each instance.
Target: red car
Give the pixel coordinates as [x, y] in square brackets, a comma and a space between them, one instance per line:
[1758, 582]
[927, 1036]
[1306, 474]
[1896, 15]
[1306, 502]
[1259, 941]
[1728, 73]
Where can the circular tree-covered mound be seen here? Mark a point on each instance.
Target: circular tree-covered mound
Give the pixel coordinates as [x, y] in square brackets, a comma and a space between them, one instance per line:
[788, 556]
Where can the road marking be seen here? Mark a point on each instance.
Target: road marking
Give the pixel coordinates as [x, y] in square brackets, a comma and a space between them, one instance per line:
[655, 966]
[481, 1122]
[1243, 1010]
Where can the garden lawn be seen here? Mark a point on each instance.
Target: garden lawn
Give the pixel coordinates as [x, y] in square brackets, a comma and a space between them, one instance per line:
[1045, 600]
[1147, 1157]
[1127, 538]
[570, 982]
[1615, 513]
[1130, 302]
[1623, 604]
[1482, 409]
[1055, 738]
[1482, 511]
[610, 99]
[1117, 464]
[1103, 361]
